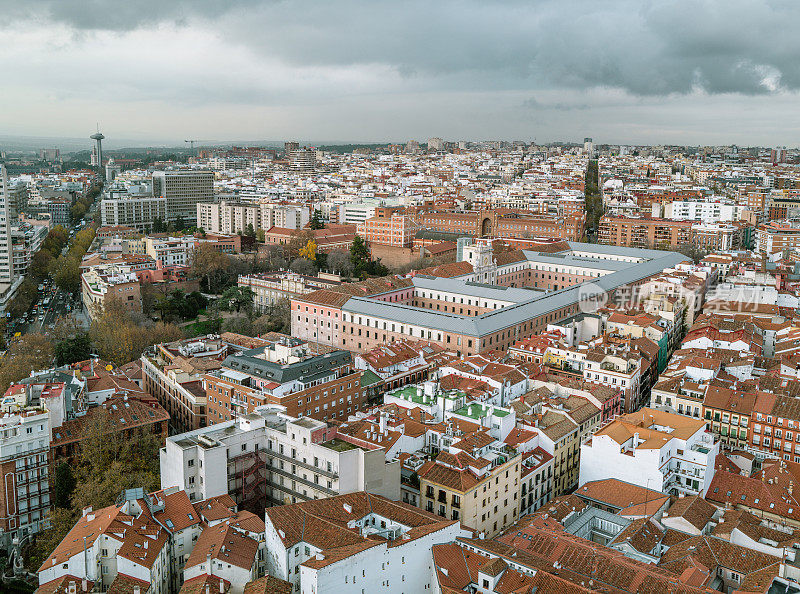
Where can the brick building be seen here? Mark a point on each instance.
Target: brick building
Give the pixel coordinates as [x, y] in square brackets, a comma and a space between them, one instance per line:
[310, 381]
[644, 232]
[484, 302]
[506, 223]
[396, 230]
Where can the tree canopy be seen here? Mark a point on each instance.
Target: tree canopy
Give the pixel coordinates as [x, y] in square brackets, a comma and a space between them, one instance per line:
[234, 298]
[317, 222]
[119, 339]
[363, 264]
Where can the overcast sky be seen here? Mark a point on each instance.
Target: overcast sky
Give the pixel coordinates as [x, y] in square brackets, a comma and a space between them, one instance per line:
[621, 71]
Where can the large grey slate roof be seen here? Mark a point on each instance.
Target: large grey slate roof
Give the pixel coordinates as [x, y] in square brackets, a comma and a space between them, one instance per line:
[473, 289]
[535, 304]
[570, 260]
[307, 369]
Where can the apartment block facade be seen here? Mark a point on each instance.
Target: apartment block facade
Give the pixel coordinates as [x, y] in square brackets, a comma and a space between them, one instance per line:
[182, 190]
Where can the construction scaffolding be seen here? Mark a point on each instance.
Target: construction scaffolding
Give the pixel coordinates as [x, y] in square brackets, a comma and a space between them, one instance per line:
[247, 475]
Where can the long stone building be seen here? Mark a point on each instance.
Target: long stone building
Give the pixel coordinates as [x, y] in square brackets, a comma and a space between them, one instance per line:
[484, 302]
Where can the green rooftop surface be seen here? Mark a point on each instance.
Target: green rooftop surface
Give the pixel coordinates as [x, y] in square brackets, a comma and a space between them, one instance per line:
[369, 378]
[478, 411]
[410, 393]
[339, 445]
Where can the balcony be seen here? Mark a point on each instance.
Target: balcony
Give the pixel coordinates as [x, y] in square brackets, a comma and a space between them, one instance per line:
[332, 474]
[306, 482]
[286, 489]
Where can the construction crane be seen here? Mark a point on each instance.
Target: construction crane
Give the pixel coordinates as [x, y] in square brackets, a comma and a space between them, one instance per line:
[191, 144]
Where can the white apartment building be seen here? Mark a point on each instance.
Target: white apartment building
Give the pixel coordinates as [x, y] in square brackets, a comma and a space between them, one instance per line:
[353, 213]
[270, 456]
[286, 216]
[704, 211]
[653, 449]
[435, 144]
[154, 541]
[355, 543]
[616, 368]
[171, 251]
[231, 218]
[113, 540]
[273, 287]
[104, 280]
[302, 160]
[183, 190]
[224, 552]
[26, 239]
[6, 260]
[25, 496]
[134, 211]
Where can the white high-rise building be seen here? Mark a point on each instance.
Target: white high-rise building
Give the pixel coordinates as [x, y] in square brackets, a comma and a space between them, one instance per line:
[6, 263]
[588, 147]
[435, 144]
[183, 190]
[234, 217]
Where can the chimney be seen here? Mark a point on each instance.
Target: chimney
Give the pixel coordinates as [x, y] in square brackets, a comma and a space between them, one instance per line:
[71, 588]
[221, 587]
[85, 585]
[137, 590]
[210, 567]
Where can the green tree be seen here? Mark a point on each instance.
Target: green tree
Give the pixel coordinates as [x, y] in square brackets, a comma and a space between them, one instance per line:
[238, 325]
[179, 224]
[363, 265]
[66, 272]
[359, 253]
[63, 486]
[298, 241]
[118, 338]
[593, 198]
[77, 211]
[234, 298]
[250, 231]
[40, 263]
[23, 301]
[56, 239]
[317, 221]
[72, 350]
[159, 226]
[108, 462]
[261, 235]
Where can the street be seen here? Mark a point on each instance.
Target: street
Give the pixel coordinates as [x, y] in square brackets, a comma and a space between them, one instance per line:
[42, 317]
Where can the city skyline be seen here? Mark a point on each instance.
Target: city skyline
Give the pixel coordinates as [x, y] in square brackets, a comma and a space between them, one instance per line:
[688, 74]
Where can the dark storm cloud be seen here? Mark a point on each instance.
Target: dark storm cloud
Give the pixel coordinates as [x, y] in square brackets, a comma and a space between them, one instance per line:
[117, 15]
[643, 47]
